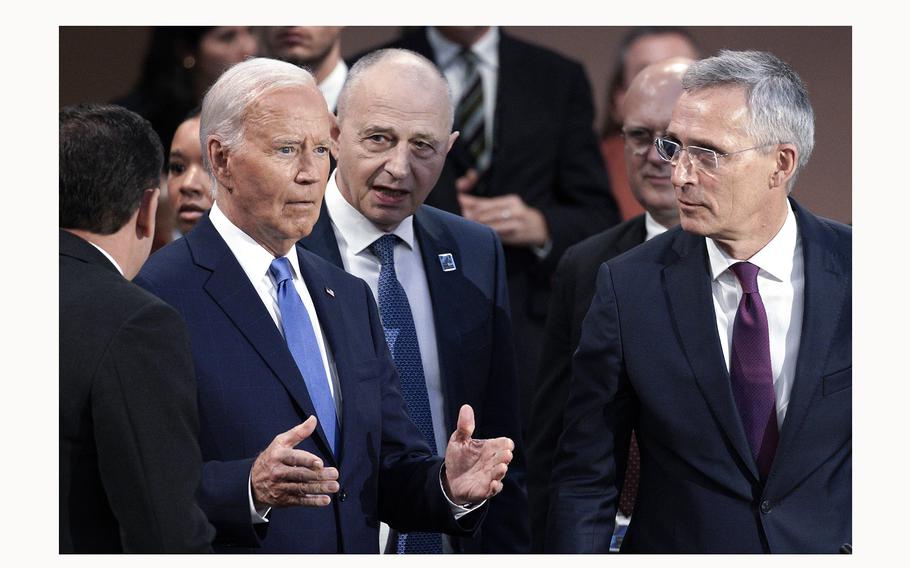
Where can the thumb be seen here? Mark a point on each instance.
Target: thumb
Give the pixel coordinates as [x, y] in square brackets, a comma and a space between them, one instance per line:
[467, 182]
[465, 425]
[298, 433]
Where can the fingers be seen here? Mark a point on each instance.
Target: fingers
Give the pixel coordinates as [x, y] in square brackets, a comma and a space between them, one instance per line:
[465, 425]
[296, 434]
[467, 182]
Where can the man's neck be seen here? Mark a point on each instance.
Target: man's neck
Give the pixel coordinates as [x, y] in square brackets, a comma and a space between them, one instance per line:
[744, 247]
[324, 68]
[115, 245]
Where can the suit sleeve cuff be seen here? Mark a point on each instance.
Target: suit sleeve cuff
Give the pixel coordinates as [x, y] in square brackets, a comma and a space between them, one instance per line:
[257, 516]
[458, 511]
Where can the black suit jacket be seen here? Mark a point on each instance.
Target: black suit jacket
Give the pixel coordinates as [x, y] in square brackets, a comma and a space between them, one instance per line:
[573, 288]
[544, 150]
[650, 357]
[476, 358]
[129, 457]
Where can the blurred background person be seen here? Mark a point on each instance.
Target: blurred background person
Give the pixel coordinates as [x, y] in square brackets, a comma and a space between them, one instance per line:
[647, 108]
[130, 462]
[639, 48]
[181, 63]
[315, 48]
[188, 185]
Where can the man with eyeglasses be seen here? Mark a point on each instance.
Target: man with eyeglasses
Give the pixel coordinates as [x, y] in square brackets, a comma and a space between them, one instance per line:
[725, 343]
[647, 106]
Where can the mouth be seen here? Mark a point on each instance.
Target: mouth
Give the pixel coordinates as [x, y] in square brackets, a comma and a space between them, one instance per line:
[190, 212]
[291, 38]
[389, 195]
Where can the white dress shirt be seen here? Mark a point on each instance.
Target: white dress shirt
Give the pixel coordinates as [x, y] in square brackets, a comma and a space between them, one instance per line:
[781, 282]
[355, 233]
[652, 227]
[486, 48]
[330, 87]
[255, 262]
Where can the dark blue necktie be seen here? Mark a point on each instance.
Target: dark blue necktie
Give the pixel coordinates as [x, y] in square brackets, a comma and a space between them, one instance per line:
[301, 340]
[400, 334]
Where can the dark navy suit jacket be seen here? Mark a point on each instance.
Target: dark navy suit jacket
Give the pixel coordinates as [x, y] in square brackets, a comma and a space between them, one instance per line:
[476, 357]
[250, 390]
[650, 357]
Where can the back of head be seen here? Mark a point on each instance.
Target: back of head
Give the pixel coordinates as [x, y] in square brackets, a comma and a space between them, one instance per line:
[226, 103]
[400, 63]
[654, 43]
[779, 107]
[108, 157]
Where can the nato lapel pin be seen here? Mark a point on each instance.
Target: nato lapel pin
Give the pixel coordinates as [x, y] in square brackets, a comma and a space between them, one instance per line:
[447, 261]
[329, 291]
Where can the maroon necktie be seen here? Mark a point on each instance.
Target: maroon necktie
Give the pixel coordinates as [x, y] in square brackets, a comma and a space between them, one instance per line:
[750, 369]
[630, 483]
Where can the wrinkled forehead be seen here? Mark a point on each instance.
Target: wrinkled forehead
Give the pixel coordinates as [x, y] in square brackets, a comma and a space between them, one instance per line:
[291, 107]
[713, 112]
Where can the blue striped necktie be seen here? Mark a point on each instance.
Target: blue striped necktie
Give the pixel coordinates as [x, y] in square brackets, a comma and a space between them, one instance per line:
[301, 340]
[400, 334]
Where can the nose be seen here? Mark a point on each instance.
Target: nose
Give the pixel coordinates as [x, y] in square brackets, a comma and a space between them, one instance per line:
[653, 157]
[193, 182]
[249, 44]
[308, 170]
[398, 163]
[683, 172]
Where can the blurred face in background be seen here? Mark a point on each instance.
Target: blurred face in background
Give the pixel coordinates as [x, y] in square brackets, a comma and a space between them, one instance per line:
[306, 46]
[222, 47]
[188, 186]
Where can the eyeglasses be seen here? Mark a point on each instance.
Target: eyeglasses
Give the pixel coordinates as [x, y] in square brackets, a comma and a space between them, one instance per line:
[639, 140]
[670, 151]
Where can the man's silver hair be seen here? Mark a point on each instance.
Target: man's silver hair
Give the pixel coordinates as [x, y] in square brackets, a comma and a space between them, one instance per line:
[777, 99]
[225, 105]
[355, 75]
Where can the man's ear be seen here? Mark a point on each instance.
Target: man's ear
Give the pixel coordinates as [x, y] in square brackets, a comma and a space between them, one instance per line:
[148, 207]
[784, 165]
[452, 138]
[336, 135]
[218, 158]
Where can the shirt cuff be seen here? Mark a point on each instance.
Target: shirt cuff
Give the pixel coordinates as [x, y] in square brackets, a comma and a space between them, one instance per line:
[257, 516]
[458, 511]
[543, 252]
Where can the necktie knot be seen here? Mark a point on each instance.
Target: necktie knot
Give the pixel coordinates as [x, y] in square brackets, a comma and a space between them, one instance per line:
[384, 249]
[280, 270]
[747, 273]
[470, 59]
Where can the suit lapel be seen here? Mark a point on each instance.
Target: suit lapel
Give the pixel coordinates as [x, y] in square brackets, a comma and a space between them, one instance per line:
[687, 283]
[230, 288]
[824, 293]
[445, 295]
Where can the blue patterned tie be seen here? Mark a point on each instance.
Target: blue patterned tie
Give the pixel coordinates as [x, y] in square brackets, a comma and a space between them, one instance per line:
[400, 334]
[301, 340]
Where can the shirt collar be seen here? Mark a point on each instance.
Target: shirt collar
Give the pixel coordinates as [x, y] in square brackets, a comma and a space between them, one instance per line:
[332, 84]
[652, 227]
[254, 259]
[775, 259]
[358, 231]
[108, 256]
[486, 48]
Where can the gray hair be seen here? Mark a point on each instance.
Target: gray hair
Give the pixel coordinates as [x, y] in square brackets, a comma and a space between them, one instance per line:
[225, 105]
[778, 102]
[355, 75]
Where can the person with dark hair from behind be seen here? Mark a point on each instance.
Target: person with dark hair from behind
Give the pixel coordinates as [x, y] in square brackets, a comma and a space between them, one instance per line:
[646, 112]
[130, 462]
[189, 187]
[641, 47]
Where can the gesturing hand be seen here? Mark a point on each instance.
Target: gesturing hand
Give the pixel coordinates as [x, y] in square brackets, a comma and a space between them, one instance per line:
[475, 468]
[516, 223]
[284, 477]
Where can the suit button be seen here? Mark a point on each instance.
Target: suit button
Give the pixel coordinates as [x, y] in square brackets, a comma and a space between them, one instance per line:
[342, 495]
[766, 506]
